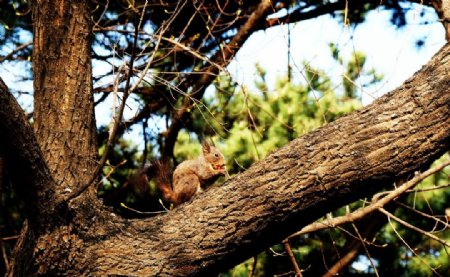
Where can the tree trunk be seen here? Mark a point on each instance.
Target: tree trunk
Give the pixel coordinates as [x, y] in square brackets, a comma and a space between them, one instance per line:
[64, 125]
[400, 133]
[64, 118]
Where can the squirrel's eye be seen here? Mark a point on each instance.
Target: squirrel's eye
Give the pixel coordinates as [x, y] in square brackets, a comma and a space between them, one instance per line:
[216, 155]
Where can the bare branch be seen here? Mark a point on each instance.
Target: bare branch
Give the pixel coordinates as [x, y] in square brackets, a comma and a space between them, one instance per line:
[363, 243]
[412, 227]
[411, 249]
[342, 262]
[360, 213]
[445, 224]
[4, 254]
[287, 247]
[18, 49]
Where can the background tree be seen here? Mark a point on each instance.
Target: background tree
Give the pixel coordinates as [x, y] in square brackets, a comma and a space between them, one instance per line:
[162, 56]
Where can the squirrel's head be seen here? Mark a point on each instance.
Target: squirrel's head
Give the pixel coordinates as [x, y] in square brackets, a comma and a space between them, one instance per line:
[214, 157]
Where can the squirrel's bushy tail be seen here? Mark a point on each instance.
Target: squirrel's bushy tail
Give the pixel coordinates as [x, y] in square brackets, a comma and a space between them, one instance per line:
[163, 180]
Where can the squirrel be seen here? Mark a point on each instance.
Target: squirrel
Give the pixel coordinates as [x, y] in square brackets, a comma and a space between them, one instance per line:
[190, 176]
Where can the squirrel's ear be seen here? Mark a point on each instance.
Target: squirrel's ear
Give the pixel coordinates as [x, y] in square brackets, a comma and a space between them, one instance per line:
[206, 147]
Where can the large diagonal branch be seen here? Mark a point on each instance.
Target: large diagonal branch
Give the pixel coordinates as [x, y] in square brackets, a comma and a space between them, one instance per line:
[353, 157]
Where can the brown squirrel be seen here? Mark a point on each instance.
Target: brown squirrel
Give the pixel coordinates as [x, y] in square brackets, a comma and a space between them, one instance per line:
[190, 176]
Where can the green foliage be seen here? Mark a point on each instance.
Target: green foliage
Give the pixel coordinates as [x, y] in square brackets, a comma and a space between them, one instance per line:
[187, 147]
[354, 70]
[250, 124]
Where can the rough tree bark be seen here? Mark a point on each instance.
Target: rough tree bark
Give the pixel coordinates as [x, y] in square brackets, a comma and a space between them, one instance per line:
[64, 124]
[442, 8]
[353, 157]
[64, 118]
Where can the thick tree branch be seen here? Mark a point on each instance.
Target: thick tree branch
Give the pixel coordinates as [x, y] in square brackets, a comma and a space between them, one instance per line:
[442, 8]
[23, 157]
[353, 157]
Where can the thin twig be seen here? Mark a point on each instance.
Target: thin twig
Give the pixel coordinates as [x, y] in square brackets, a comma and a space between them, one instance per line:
[430, 188]
[144, 135]
[21, 47]
[140, 212]
[147, 67]
[360, 213]
[10, 237]
[287, 247]
[191, 51]
[113, 169]
[437, 220]
[4, 254]
[356, 238]
[365, 249]
[410, 248]
[103, 13]
[255, 261]
[410, 226]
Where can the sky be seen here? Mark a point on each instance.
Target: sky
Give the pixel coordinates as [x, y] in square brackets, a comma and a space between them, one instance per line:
[389, 50]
